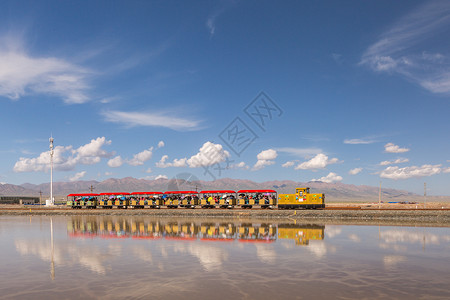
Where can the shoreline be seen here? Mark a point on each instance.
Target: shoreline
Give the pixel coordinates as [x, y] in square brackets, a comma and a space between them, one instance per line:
[394, 217]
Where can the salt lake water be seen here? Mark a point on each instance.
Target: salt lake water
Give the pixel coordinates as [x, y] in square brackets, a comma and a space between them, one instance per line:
[85, 257]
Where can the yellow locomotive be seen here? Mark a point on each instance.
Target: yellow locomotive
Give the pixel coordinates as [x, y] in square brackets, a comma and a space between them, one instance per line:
[302, 199]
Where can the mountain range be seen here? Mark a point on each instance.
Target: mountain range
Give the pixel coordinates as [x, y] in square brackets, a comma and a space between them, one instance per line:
[334, 191]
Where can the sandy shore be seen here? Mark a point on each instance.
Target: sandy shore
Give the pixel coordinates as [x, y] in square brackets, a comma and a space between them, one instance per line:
[337, 214]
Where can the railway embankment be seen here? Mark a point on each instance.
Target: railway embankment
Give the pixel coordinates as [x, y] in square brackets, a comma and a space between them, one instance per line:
[395, 217]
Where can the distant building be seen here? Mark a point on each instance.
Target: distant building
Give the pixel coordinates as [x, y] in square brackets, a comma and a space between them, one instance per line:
[18, 200]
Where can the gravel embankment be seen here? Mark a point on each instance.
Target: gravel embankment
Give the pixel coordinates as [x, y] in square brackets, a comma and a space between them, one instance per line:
[430, 217]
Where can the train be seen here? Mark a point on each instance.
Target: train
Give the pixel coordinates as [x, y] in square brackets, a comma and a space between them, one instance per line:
[207, 199]
[222, 231]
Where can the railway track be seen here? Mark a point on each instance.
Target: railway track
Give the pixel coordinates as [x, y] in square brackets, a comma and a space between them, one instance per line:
[343, 208]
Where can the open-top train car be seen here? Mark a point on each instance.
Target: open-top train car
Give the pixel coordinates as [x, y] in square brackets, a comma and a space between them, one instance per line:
[263, 198]
[188, 199]
[220, 198]
[84, 200]
[144, 228]
[146, 199]
[110, 200]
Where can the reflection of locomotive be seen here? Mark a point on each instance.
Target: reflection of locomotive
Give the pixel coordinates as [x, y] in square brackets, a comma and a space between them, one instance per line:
[302, 199]
[301, 233]
[111, 227]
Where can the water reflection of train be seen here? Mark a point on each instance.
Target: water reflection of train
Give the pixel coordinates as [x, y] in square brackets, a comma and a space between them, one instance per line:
[302, 234]
[141, 228]
[204, 199]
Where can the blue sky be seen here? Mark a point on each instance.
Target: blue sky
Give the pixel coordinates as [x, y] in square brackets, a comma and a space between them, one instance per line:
[337, 91]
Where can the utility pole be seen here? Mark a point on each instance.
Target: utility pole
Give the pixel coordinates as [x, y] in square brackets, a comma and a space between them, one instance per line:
[51, 170]
[196, 186]
[40, 198]
[379, 196]
[424, 194]
[91, 188]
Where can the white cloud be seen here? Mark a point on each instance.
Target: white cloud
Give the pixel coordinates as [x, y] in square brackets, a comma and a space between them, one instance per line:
[108, 100]
[393, 260]
[392, 148]
[355, 171]
[288, 164]
[138, 159]
[141, 157]
[265, 158]
[93, 150]
[384, 63]
[260, 164]
[394, 172]
[242, 165]
[153, 119]
[77, 176]
[320, 161]
[393, 162]
[331, 177]
[300, 152]
[210, 25]
[161, 144]
[162, 162]
[149, 170]
[210, 257]
[65, 158]
[401, 236]
[161, 177]
[108, 173]
[211, 21]
[26, 152]
[397, 50]
[115, 162]
[176, 162]
[337, 58]
[355, 238]
[208, 155]
[42, 162]
[22, 74]
[318, 249]
[266, 253]
[333, 231]
[446, 170]
[359, 141]
[269, 154]
[64, 253]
